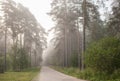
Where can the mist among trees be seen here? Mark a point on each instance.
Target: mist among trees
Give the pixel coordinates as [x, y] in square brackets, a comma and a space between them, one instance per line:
[86, 35]
[86, 38]
[22, 37]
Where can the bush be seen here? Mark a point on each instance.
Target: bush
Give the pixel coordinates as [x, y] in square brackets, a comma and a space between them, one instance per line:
[86, 74]
[104, 55]
[89, 74]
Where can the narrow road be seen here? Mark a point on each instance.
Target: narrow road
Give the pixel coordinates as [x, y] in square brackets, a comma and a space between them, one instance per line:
[48, 74]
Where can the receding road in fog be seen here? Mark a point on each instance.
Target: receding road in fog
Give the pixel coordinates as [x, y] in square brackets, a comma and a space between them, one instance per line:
[48, 74]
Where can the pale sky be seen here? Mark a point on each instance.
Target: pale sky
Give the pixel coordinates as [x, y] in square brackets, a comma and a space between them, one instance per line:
[39, 8]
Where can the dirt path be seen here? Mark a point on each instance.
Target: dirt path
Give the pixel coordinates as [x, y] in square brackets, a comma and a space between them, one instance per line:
[48, 74]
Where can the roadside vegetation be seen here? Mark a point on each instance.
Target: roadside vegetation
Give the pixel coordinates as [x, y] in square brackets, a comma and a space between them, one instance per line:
[25, 75]
[89, 74]
[102, 62]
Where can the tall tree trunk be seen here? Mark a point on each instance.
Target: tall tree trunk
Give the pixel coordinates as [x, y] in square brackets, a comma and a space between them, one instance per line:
[35, 59]
[5, 64]
[78, 42]
[66, 51]
[20, 40]
[70, 48]
[84, 26]
[30, 56]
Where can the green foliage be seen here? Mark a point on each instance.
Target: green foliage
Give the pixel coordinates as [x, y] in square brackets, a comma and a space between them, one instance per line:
[89, 74]
[92, 75]
[104, 55]
[9, 62]
[69, 71]
[74, 60]
[116, 74]
[20, 59]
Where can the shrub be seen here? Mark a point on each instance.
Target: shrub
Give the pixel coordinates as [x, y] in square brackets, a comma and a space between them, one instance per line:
[104, 55]
[86, 74]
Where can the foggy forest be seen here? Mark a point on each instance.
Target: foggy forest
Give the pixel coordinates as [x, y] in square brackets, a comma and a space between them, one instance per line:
[59, 40]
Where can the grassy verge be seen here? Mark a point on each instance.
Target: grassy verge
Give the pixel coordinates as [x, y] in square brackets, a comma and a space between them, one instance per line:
[25, 75]
[69, 71]
[89, 74]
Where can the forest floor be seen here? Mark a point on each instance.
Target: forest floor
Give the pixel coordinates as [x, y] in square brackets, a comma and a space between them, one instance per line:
[48, 74]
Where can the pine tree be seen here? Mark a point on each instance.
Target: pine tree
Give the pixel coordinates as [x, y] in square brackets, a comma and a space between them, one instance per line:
[113, 23]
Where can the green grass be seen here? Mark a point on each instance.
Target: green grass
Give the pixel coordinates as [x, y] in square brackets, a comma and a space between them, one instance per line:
[69, 71]
[25, 75]
[89, 74]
